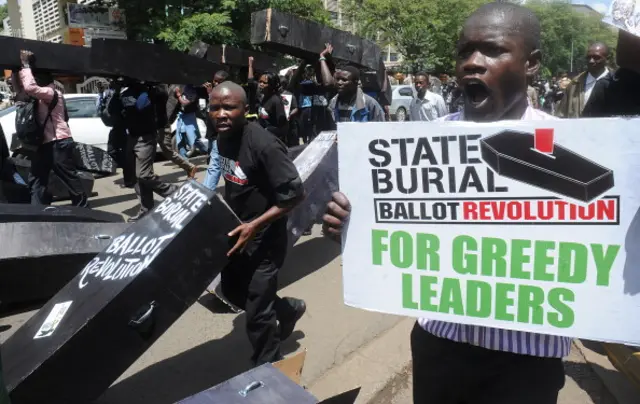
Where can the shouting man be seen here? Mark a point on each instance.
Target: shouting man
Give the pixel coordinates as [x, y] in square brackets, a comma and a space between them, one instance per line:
[579, 90]
[454, 363]
[261, 186]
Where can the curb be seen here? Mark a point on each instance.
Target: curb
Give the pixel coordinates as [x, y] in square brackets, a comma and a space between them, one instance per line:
[616, 366]
[626, 360]
[372, 367]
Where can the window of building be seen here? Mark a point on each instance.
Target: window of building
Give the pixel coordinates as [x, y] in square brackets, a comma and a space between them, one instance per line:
[334, 16]
[393, 57]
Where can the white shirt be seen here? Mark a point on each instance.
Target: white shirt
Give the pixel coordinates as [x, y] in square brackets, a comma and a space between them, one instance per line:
[430, 108]
[591, 82]
[519, 342]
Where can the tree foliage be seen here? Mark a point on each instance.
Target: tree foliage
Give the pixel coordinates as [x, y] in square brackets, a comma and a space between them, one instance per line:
[181, 22]
[4, 12]
[566, 34]
[425, 32]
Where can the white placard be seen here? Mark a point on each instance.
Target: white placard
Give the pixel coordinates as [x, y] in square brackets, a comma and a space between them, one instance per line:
[531, 226]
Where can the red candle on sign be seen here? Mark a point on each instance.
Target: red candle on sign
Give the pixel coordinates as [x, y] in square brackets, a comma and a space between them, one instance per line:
[543, 140]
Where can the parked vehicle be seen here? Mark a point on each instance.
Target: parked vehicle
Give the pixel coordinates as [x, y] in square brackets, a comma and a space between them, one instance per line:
[401, 101]
[86, 126]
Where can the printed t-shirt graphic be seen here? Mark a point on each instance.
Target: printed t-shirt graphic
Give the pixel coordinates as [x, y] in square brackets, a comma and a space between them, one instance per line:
[232, 171]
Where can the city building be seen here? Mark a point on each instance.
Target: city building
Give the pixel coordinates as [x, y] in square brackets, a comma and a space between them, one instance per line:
[42, 20]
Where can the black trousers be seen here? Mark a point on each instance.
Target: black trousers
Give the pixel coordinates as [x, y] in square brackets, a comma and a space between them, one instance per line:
[142, 149]
[56, 156]
[117, 149]
[251, 282]
[448, 372]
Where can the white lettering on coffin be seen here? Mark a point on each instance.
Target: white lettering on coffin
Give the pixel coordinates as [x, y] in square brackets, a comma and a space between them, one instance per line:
[127, 256]
[179, 206]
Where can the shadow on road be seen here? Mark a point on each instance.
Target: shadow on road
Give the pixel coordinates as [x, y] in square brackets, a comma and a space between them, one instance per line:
[306, 258]
[191, 372]
[586, 378]
[302, 260]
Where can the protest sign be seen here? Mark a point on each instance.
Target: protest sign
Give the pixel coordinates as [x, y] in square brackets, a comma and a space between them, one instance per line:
[624, 14]
[531, 226]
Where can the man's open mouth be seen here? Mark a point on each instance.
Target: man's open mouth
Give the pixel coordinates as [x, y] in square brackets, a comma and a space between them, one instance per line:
[476, 92]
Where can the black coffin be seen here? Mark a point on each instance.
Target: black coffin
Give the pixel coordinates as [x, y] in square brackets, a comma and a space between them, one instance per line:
[87, 335]
[229, 55]
[12, 213]
[51, 57]
[56, 187]
[261, 385]
[154, 63]
[94, 160]
[512, 155]
[38, 259]
[317, 165]
[286, 33]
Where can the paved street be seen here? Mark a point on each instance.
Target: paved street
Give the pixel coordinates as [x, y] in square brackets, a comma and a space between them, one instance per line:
[207, 345]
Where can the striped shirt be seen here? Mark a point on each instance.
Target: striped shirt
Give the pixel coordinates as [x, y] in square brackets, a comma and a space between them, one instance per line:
[518, 342]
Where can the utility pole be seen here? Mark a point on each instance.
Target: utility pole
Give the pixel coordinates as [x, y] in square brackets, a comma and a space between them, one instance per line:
[571, 69]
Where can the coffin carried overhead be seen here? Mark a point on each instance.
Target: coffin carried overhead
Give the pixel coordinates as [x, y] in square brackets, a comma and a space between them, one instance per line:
[124, 299]
[154, 63]
[231, 56]
[53, 57]
[289, 34]
[38, 259]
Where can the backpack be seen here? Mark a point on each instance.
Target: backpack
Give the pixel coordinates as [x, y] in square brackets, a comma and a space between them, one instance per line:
[28, 130]
[107, 118]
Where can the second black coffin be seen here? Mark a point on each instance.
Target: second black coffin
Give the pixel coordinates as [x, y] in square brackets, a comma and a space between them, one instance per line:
[84, 338]
[512, 154]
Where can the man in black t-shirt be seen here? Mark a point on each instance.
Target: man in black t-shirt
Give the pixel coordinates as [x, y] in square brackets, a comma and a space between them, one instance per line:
[261, 186]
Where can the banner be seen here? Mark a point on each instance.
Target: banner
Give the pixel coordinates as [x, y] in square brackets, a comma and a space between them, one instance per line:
[87, 16]
[624, 14]
[531, 226]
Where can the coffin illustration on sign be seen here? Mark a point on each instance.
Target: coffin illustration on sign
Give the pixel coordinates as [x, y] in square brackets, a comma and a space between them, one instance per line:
[514, 155]
[122, 301]
[94, 160]
[38, 259]
[295, 36]
[11, 213]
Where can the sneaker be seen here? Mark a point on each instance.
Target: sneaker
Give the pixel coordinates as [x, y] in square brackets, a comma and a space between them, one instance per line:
[288, 325]
[137, 217]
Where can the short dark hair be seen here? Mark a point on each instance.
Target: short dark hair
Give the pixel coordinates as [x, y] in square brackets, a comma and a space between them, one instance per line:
[354, 71]
[522, 21]
[422, 74]
[600, 45]
[223, 74]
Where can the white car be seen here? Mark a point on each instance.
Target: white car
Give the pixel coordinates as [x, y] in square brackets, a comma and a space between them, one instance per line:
[401, 101]
[86, 126]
